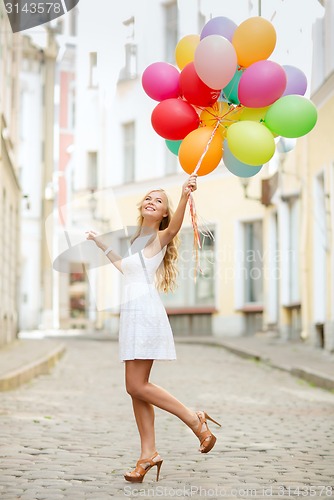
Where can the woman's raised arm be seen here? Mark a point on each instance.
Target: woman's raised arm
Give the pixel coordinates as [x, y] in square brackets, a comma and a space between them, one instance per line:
[175, 224]
[112, 256]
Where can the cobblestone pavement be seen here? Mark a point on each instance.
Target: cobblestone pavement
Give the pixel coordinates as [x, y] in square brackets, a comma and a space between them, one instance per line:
[72, 434]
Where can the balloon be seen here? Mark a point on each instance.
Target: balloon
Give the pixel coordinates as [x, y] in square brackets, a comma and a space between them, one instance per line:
[254, 114]
[291, 116]
[160, 81]
[173, 119]
[185, 50]
[219, 26]
[194, 89]
[193, 146]
[296, 80]
[284, 145]
[173, 146]
[215, 61]
[231, 89]
[235, 166]
[254, 40]
[222, 112]
[261, 84]
[250, 142]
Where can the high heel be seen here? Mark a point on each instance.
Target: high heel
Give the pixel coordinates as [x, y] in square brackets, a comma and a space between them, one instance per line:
[142, 467]
[207, 439]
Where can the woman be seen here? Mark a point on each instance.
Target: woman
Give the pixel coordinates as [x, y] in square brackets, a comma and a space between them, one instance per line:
[145, 333]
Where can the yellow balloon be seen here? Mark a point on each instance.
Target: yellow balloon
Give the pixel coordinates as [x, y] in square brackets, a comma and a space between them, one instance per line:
[250, 142]
[254, 114]
[254, 40]
[185, 50]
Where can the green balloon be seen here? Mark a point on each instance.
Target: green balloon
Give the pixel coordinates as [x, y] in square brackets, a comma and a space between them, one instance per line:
[231, 89]
[173, 146]
[291, 116]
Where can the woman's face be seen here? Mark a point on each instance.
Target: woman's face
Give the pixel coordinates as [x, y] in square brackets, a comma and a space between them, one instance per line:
[155, 206]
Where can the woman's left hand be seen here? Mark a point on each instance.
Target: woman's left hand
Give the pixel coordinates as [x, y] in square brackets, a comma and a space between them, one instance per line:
[191, 184]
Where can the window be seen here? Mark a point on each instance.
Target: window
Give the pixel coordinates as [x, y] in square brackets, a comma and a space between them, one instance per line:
[171, 162]
[92, 170]
[293, 250]
[93, 81]
[129, 151]
[130, 69]
[73, 22]
[201, 21]
[253, 262]
[188, 293]
[77, 291]
[171, 29]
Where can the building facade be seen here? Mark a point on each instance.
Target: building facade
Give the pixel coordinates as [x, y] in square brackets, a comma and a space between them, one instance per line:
[10, 189]
[268, 268]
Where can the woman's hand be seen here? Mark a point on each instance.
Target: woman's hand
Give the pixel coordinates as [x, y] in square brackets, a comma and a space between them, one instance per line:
[190, 185]
[92, 235]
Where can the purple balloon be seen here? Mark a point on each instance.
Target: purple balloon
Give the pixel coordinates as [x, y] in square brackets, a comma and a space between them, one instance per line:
[296, 80]
[219, 26]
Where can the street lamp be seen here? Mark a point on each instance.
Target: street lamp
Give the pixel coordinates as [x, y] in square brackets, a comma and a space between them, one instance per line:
[92, 203]
[245, 184]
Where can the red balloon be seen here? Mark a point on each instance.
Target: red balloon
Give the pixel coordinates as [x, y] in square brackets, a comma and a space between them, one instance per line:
[194, 89]
[173, 119]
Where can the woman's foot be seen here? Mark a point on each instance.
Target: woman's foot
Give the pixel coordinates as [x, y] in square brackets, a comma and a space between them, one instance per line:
[202, 431]
[142, 467]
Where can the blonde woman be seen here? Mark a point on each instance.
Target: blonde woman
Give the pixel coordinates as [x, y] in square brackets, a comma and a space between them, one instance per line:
[145, 334]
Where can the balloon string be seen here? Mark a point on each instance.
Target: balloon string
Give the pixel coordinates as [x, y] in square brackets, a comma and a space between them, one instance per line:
[193, 213]
[206, 148]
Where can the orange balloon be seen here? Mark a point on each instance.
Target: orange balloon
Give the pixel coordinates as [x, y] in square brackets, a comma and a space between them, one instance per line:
[185, 50]
[193, 146]
[254, 40]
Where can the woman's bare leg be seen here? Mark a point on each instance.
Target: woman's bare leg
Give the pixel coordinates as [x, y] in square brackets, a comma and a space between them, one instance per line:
[144, 414]
[138, 386]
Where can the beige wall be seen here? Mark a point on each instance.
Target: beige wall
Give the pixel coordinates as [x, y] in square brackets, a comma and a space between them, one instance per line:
[10, 193]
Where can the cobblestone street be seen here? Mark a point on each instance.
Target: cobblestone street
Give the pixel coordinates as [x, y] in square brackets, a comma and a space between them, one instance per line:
[72, 434]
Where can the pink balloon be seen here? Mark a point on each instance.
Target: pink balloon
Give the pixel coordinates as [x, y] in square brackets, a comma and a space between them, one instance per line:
[215, 61]
[296, 80]
[261, 84]
[160, 81]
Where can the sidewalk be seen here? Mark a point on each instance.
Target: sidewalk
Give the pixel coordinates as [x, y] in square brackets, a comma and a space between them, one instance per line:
[29, 356]
[314, 365]
[24, 359]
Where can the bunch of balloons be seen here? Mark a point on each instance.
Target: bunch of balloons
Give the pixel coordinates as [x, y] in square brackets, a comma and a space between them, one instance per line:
[224, 98]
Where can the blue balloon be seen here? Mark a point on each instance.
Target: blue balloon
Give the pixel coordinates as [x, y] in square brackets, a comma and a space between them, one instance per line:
[237, 167]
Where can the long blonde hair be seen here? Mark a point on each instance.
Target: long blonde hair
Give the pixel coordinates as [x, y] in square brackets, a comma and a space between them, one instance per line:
[167, 271]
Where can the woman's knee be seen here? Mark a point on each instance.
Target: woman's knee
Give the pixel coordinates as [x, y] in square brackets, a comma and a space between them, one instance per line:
[134, 389]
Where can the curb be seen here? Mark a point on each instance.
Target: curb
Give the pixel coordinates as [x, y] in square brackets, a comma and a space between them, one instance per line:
[15, 378]
[314, 378]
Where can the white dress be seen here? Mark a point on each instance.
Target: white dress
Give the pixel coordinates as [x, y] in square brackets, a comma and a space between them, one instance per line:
[145, 331]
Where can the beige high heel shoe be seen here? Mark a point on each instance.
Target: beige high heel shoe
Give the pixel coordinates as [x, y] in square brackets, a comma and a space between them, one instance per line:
[207, 439]
[142, 467]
